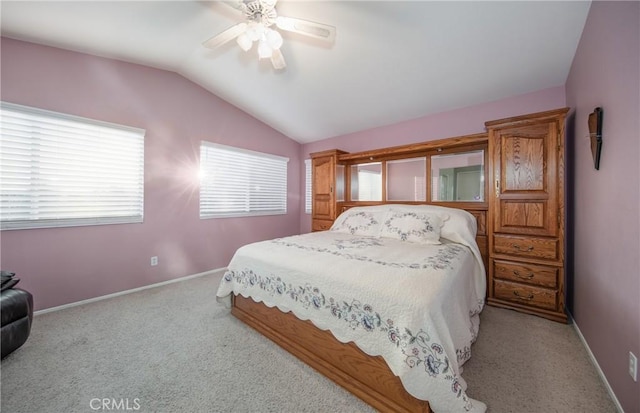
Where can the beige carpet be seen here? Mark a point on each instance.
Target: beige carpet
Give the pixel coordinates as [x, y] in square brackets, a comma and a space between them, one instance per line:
[175, 349]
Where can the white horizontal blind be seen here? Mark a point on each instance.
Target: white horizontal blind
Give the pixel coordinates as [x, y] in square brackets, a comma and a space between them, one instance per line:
[60, 170]
[238, 182]
[307, 186]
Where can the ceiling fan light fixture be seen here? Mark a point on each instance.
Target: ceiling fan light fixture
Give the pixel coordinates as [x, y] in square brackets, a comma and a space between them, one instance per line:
[244, 42]
[255, 31]
[274, 39]
[264, 50]
[261, 20]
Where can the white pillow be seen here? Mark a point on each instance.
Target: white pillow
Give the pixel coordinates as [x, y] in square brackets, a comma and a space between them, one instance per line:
[413, 226]
[359, 221]
[459, 225]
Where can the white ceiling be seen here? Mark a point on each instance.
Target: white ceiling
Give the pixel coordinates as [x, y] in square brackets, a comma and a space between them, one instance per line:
[391, 61]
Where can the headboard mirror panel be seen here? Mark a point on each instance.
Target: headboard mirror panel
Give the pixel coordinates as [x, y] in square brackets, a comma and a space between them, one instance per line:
[407, 179]
[458, 176]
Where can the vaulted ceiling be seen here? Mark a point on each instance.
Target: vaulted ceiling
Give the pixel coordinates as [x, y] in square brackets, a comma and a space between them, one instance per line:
[391, 61]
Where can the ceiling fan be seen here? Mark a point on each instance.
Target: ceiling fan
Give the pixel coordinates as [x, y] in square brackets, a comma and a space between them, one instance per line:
[261, 16]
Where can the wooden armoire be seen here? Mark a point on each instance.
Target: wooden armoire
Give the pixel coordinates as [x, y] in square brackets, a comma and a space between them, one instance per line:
[324, 194]
[527, 214]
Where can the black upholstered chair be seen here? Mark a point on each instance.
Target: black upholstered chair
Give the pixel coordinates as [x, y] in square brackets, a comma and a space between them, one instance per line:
[16, 314]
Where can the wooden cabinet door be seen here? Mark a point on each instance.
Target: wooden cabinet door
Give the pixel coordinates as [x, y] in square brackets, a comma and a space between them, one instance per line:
[525, 174]
[323, 178]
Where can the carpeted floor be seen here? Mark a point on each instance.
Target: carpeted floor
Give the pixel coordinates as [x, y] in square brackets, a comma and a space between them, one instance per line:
[175, 349]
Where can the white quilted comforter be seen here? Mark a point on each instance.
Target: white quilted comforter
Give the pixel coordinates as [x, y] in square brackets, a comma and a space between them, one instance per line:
[415, 305]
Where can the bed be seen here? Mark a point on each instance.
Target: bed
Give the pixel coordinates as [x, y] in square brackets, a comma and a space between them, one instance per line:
[386, 303]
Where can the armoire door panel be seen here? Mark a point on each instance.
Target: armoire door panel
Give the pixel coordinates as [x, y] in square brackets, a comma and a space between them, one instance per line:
[523, 158]
[526, 181]
[323, 208]
[322, 177]
[526, 217]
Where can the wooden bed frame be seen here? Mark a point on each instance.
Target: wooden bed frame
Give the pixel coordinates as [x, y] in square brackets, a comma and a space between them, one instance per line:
[366, 377]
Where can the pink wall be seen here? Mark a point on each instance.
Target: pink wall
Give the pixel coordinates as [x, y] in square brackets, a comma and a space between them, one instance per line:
[605, 279]
[70, 264]
[457, 122]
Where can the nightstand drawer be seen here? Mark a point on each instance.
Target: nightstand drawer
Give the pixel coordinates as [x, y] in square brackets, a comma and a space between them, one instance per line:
[525, 294]
[320, 225]
[546, 248]
[526, 273]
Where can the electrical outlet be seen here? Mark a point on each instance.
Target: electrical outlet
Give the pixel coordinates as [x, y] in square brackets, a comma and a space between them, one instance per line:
[633, 366]
[154, 261]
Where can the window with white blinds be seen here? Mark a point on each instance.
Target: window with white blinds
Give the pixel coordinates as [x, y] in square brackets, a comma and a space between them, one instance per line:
[59, 170]
[307, 186]
[239, 182]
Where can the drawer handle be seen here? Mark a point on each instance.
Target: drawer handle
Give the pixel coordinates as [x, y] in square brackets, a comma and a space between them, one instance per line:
[519, 248]
[523, 277]
[528, 298]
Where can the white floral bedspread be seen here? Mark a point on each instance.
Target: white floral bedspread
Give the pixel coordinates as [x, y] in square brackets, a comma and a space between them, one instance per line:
[415, 305]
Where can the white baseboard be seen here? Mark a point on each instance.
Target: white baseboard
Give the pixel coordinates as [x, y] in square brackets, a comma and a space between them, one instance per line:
[134, 290]
[597, 366]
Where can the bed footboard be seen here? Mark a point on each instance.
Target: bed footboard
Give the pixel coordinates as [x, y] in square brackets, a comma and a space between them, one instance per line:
[366, 377]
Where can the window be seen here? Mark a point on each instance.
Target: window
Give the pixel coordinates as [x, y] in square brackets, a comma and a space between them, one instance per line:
[239, 182]
[307, 187]
[59, 170]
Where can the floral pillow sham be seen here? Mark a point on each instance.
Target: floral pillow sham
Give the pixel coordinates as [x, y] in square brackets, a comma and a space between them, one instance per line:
[357, 221]
[412, 226]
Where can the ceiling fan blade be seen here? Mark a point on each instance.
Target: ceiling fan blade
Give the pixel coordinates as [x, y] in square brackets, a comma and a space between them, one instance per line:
[237, 4]
[277, 60]
[222, 38]
[307, 28]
